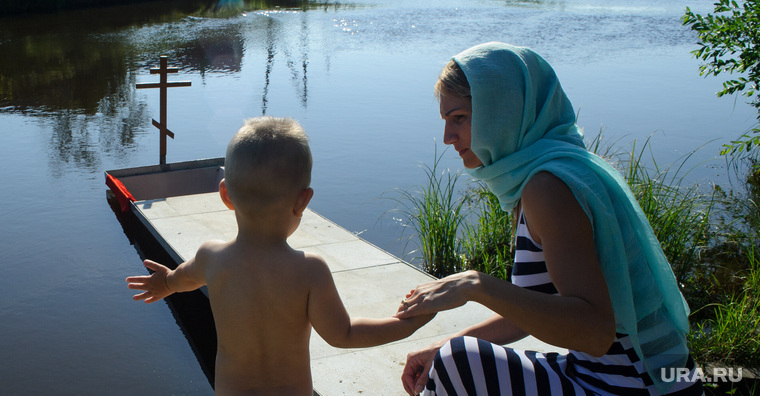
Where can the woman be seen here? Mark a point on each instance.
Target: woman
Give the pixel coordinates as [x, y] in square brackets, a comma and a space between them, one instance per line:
[589, 275]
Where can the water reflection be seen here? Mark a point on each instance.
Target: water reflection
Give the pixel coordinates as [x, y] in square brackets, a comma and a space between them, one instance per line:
[304, 61]
[216, 50]
[297, 64]
[68, 69]
[70, 143]
[269, 64]
[121, 117]
[77, 70]
[73, 60]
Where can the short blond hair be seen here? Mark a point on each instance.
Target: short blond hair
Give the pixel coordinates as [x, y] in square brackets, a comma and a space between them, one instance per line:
[267, 161]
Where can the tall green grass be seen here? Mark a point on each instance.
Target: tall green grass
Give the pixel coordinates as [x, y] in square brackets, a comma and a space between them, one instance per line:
[487, 241]
[434, 211]
[456, 229]
[731, 336]
[726, 330]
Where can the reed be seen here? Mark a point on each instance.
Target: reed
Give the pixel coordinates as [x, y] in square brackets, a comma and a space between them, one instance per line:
[487, 241]
[434, 212]
[727, 329]
[732, 335]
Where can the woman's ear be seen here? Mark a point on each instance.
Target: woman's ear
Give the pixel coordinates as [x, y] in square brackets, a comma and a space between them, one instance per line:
[304, 197]
[225, 195]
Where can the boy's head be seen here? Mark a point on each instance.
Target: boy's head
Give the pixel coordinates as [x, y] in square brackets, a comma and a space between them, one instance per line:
[267, 161]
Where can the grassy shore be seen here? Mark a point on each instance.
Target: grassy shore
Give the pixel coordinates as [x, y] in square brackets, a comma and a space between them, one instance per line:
[710, 235]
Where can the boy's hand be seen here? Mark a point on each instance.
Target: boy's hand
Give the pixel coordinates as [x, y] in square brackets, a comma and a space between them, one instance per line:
[155, 285]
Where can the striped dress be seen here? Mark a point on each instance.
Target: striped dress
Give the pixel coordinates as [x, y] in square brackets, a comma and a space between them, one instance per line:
[470, 366]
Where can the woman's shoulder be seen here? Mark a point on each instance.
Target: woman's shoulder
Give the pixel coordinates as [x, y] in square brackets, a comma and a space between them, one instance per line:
[550, 206]
[545, 186]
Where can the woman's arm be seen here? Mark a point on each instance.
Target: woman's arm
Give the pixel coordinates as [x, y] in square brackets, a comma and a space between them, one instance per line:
[580, 318]
[496, 329]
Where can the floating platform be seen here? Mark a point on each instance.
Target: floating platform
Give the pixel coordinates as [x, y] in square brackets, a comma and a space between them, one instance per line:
[179, 203]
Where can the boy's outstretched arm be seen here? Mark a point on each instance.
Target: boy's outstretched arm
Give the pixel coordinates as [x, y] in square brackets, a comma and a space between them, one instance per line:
[332, 322]
[189, 275]
[156, 285]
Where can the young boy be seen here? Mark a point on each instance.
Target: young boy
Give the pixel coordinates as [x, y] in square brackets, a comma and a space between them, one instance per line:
[266, 296]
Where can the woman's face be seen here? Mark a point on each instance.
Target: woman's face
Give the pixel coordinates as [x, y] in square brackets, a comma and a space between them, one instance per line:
[456, 111]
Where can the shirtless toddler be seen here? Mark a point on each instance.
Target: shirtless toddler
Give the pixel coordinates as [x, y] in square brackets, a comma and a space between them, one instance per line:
[265, 295]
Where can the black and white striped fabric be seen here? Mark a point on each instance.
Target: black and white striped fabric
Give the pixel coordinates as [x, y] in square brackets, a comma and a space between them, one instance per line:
[469, 366]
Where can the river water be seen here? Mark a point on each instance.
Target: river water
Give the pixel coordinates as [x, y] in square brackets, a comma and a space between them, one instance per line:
[358, 76]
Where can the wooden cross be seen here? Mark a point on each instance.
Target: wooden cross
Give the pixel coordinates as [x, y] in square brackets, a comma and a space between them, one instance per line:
[163, 71]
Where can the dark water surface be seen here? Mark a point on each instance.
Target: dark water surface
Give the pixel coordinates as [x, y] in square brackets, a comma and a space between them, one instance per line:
[358, 75]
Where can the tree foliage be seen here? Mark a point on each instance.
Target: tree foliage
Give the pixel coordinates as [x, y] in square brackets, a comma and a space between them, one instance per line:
[729, 42]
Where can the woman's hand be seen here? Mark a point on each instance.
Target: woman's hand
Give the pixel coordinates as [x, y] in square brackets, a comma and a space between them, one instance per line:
[417, 367]
[447, 293]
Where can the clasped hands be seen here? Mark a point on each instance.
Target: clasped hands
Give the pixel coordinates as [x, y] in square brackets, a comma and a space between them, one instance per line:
[447, 293]
[440, 295]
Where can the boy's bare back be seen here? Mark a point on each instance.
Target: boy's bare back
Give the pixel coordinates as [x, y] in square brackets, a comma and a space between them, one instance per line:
[259, 295]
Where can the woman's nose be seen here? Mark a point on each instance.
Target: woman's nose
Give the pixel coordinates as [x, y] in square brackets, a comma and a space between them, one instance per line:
[449, 135]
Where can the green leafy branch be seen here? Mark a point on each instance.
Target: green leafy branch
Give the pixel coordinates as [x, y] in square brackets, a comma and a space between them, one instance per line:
[729, 42]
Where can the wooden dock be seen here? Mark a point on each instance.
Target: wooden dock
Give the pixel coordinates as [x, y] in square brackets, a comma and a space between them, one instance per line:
[371, 283]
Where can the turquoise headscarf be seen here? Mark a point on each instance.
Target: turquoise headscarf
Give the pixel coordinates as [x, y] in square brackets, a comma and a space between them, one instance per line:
[523, 123]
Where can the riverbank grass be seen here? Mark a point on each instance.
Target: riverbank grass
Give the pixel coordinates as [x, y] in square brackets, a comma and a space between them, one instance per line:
[434, 212]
